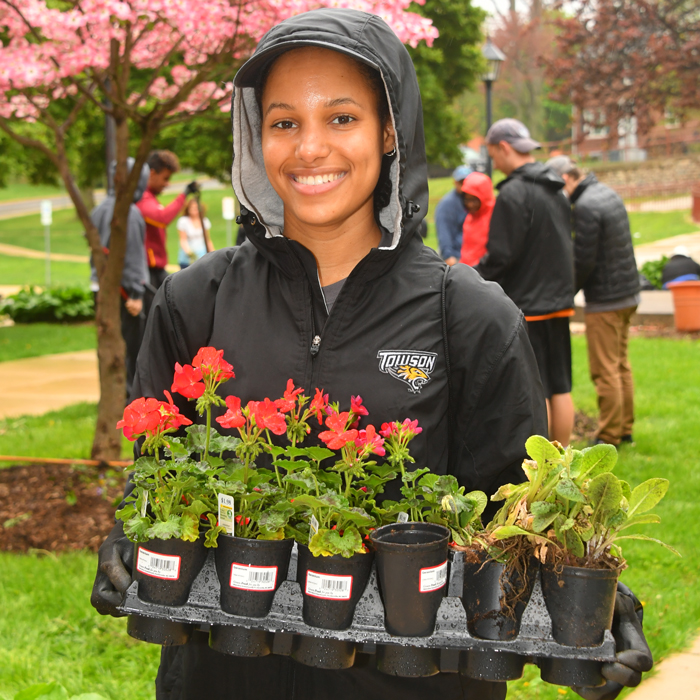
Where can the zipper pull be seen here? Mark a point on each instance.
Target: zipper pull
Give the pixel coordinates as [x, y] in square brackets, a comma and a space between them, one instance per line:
[315, 345]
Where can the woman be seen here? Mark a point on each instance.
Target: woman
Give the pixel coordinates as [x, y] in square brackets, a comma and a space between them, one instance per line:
[477, 189]
[194, 240]
[331, 287]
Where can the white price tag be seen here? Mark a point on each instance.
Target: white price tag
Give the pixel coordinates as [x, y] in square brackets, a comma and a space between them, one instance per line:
[165, 566]
[403, 517]
[328, 586]
[253, 578]
[433, 578]
[226, 511]
[313, 527]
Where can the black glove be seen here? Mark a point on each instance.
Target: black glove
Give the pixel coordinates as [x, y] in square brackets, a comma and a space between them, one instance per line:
[192, 188]
[115, 561]
[633, 653]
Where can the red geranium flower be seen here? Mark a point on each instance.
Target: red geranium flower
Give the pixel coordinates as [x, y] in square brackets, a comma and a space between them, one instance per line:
[233, 418]
[173, 419]
[410, 427]
[211, 364]
[319, 405]
[370, 441]
[337, 437]
[288, 401]
[388, 429]
[187, 381]
[140, 416]
[267, 416]
[356, 406]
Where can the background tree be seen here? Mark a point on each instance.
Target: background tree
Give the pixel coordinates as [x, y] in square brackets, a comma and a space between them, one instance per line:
[628, 58]
[149, 64]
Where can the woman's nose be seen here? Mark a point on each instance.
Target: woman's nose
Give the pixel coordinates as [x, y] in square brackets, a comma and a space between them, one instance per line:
[312, 143]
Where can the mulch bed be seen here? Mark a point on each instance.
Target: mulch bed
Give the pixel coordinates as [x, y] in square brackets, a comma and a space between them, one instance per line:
[54, 507]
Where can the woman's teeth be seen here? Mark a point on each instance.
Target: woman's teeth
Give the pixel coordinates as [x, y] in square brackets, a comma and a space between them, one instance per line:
[317, 179]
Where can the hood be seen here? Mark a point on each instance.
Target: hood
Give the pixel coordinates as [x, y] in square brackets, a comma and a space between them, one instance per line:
[370, 40]
[536, 172]
[142, 183]
[481, 186]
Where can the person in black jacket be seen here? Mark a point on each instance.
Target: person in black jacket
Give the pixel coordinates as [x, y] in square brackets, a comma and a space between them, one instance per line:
[529, 253]
[607, 272]
[332, 286]
[680, 268]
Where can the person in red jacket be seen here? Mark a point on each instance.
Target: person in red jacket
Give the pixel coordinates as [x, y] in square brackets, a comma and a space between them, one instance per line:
[479, 201]
[163, 164]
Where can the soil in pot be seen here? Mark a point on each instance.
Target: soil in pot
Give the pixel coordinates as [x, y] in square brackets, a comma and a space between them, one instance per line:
[580, 602]
[576, 673]
[166, 569]
[164, 632]
[489, 665]
[408, 662]
[495, 595]
[331, 587]
[250, 572]
[412, 572]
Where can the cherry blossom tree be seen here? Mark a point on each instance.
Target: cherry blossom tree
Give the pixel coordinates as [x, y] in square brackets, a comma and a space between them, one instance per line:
[148, 64]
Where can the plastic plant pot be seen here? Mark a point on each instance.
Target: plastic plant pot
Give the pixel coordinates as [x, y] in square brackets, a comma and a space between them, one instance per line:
[331, 587]
[412, 571]
[164, 632]
[580, 602]
[491, 665]
[328, 654]
[240, 641]
[686, 305]
[488, 586]
[250, 572]
[166, 569]
[408, 662]
[576, 673]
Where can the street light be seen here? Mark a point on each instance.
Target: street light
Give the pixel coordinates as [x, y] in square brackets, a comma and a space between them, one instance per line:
[494, 57]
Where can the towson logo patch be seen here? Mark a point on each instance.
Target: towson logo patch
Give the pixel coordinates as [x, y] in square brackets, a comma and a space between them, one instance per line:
[410, 366]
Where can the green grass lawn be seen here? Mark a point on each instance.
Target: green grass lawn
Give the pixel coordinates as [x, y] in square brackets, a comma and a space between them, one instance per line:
[22, 190]
[34, 339]
[26, 271]
[653, 226]
[50, 631]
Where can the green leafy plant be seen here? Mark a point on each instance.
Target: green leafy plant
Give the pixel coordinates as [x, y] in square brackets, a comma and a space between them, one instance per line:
[53, 691]
[53, 305]
[653, 270]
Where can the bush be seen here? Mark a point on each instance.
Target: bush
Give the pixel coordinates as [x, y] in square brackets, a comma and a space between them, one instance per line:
[55, 305]
[652, 270]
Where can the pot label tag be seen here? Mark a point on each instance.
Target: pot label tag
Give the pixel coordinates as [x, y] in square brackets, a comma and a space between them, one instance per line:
[313, 527]
[253, 578]
[433, 578]
[226, 510]
[328, 586]
[165, 566]
[403, 517]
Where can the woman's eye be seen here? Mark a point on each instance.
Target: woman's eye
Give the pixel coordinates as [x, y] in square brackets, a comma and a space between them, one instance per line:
[284, 124]
[343, 119]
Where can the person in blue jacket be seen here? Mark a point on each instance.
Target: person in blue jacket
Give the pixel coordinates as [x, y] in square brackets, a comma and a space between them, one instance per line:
[449, 218]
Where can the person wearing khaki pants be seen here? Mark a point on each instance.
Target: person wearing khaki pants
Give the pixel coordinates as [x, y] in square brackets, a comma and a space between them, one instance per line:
[608, 334]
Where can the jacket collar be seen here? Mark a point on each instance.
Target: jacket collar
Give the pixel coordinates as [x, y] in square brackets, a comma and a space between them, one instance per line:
[589, 180]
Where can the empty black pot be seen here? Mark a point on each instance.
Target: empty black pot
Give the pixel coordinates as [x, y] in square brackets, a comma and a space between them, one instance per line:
[250, 571]
[329, 654]
[580, 602]
[166, 569]
[240, 641]
[576, 673]
[492, 666]
[408, 662]
[164, 632]
[412, 571]
[331, 587]
[489, 589]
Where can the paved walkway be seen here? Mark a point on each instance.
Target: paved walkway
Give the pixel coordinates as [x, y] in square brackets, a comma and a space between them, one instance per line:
[36, 385]
[655, 250]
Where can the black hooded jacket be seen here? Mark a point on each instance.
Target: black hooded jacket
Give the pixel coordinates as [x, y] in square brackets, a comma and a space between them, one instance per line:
[529, 251]
[389, 338]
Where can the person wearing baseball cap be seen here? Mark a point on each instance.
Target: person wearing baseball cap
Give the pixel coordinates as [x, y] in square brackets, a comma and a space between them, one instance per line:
[607, 272]
[530, 254]
[449, 218]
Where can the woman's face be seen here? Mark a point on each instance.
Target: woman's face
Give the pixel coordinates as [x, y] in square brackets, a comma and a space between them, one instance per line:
[472, 203]
[192, 208]
[322, 139]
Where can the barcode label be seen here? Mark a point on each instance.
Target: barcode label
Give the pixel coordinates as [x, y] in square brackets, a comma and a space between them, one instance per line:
[226, 512]
[403, 517]
[328, 586]
[253, 578]
[433, 578]
[158, 565]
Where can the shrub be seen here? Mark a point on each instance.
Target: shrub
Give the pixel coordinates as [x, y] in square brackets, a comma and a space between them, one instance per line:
[652, 270]
[55, 305]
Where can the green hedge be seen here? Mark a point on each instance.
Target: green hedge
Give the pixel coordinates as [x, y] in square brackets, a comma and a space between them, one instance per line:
[54, 305]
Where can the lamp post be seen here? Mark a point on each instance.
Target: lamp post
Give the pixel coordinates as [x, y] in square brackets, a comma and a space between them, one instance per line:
[494, 57]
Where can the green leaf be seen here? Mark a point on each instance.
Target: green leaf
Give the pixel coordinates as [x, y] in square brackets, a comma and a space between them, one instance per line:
[598, 459]
[605, 492]
[644, 519]
[167, 530]
[319, 453]
[136, 529]
[568, 489]
[223, 443]
[304, 481]
[276, 518]
[647, 495]
[541, 450]
[196, 508]
[176, 448]
[356, 516]
[328, 543]
[196, 437]
[189, 526]
[505, 491]
[505, 531]
[573, 543]
[626, 490]
[46, 691]
[648, 539]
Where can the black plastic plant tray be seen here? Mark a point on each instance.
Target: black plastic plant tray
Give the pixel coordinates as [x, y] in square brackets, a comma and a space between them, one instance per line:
[451, 635]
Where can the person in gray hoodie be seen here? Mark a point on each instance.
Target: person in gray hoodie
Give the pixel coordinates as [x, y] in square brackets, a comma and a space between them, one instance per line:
[135, 272]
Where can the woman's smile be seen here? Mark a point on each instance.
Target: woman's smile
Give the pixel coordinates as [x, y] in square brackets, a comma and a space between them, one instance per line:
[314, 184]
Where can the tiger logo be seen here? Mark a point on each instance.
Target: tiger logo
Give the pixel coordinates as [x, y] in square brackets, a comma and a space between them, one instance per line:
[412, 367]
